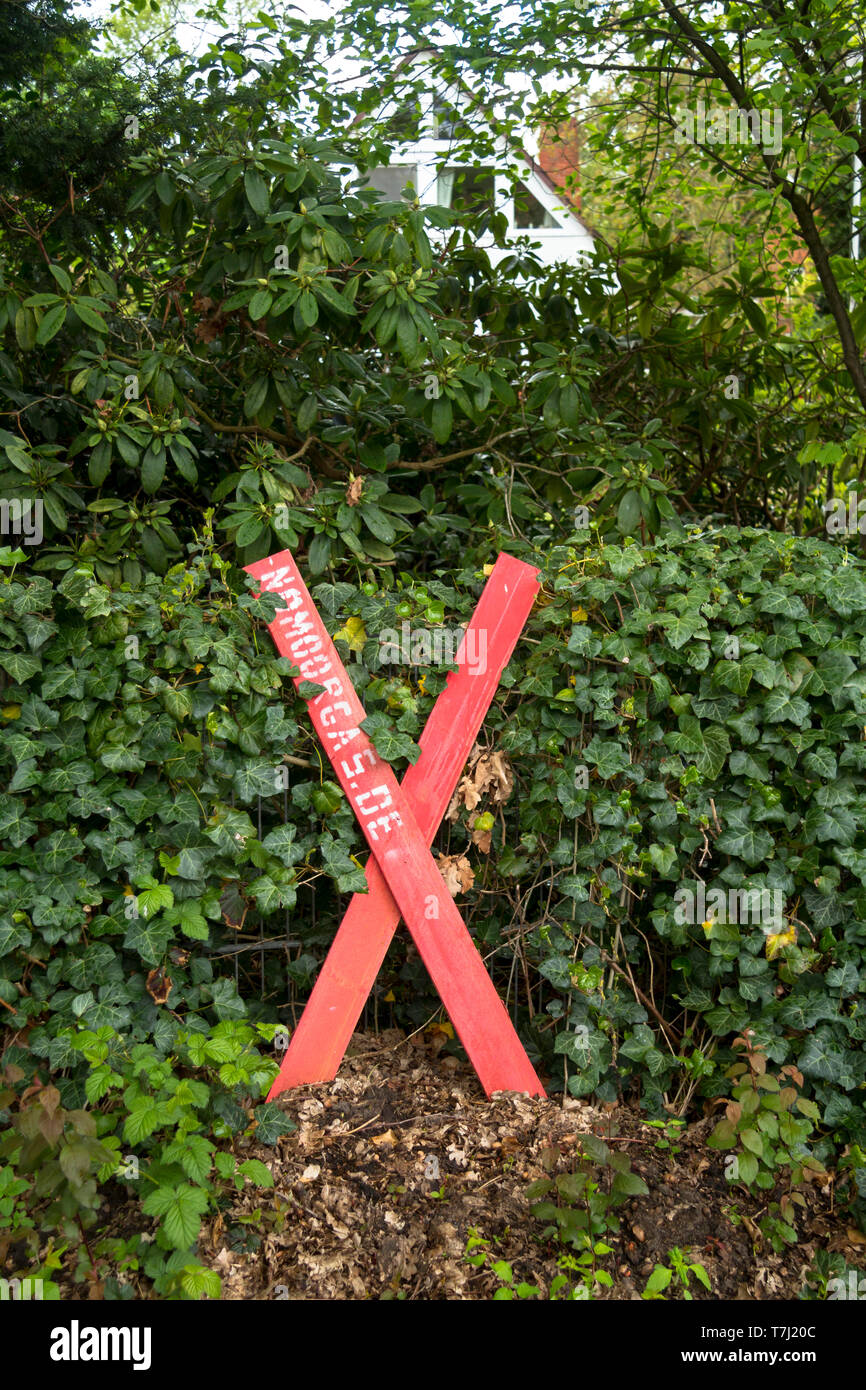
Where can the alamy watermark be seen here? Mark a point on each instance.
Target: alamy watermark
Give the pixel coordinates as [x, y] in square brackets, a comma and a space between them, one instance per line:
[729, 125]
[19, 1290]
[845, 516]
[734, 905]
[77, 1343]
[21, 518]
[426, 647]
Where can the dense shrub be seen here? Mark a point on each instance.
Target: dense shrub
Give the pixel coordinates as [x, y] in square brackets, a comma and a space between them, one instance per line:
[146, 816]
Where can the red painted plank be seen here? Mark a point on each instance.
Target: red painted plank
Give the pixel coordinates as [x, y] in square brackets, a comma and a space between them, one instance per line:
[319, 1042]
[396, 840]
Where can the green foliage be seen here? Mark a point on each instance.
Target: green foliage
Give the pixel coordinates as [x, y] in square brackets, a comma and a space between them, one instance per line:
[677, 1271]
[767, 1121]
[770, 1124]
[479, 1255]
[695, 219]
[579, 1207]
[830, 1276]
[216, 344]
[114, 915]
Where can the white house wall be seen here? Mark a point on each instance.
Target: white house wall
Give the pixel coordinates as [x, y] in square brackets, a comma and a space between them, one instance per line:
[571, 241]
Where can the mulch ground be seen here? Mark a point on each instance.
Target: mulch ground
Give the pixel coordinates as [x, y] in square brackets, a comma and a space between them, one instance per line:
[357, 1211]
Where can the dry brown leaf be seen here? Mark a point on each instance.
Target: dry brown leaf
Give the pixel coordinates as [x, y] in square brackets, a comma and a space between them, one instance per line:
[353, 492]
[752, 1229]
[488, 775]
[457, 873]
[158, 985]
[384, 1141]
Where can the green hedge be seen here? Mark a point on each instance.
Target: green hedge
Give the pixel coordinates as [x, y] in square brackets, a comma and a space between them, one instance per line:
[694, 709]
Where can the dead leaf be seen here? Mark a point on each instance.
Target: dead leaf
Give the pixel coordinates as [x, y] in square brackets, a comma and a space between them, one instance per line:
[384, 1141]
[49, 1099]
[856, 1237]
[498, 773]
[488, 775]
[158, 985]
[439, 1034]
[457, 873]
[752, 1229]
[353, 492]
[311, 1172]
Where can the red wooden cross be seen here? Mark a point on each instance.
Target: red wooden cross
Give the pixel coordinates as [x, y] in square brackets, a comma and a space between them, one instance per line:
[399, 823]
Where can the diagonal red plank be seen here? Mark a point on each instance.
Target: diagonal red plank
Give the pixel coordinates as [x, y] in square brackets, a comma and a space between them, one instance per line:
[344, 982]
[396, 840]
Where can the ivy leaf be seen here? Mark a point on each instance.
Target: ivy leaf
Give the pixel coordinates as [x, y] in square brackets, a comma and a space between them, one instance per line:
[270, 895]
[682, 627]
[834, 824]
[19, 666]
[744, 841]
[255, 778]
[388, 741]
[786, 604]
[271, 1123]
[178, 703]
[821, 1057]
[734, 675]
[821, 762]
[780, 705]
[708, 745]
[149, 939]
[282, 843]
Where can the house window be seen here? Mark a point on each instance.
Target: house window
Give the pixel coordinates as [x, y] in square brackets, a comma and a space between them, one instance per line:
[466, 190]
[528, 211]
[448, 124]
[392, 180]
[404, 122]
